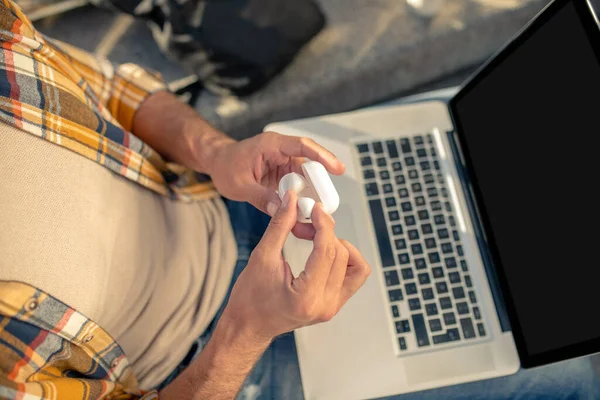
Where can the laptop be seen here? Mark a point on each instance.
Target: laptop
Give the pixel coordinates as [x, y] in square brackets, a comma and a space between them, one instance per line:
[479, 218]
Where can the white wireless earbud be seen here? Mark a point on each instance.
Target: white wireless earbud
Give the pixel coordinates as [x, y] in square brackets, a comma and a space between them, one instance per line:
[315, 185]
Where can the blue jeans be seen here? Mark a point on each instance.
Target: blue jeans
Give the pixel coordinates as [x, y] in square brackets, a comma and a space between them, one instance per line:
[277, 374]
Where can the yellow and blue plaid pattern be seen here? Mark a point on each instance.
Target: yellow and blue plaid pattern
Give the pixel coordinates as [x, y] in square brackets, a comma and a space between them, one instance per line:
[74, 100]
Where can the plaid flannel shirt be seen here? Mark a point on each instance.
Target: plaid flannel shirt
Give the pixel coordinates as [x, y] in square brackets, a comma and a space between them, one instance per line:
[74, 100]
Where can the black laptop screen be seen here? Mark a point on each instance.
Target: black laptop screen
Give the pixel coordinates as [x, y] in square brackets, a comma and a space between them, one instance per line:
[529, 125]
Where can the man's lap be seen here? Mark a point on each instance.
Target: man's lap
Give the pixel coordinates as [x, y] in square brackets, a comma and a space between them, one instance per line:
[277, 374]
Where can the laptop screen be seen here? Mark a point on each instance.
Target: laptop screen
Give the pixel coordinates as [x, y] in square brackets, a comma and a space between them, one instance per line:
[529, 127]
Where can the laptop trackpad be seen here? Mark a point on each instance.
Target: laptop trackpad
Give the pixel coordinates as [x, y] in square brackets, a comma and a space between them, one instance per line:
[344, 224]
[437, 366]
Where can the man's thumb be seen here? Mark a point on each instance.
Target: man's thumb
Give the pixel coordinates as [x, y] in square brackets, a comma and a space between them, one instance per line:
[282, 222]
[265, 199]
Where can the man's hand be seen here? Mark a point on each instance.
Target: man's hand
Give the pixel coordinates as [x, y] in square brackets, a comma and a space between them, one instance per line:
[267, 300]
[250, 170]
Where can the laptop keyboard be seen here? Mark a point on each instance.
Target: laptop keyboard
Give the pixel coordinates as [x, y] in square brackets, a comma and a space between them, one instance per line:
[432, 299]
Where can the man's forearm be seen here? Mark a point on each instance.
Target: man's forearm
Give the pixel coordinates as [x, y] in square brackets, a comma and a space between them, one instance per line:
[177, 132]
[221, 367]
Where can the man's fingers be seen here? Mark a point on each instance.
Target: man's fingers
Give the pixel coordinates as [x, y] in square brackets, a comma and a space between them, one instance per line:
[323, 254]
[356, 274]
[281, 224]
[293, 146]
[304, 231]
[264, 198]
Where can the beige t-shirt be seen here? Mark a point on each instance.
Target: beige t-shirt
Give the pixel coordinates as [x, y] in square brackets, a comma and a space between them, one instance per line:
[151, 271]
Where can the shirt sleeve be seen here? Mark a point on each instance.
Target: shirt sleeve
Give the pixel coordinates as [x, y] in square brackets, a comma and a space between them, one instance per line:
[121, 89]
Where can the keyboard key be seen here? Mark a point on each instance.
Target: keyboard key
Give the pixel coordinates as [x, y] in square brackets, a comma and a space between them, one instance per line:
[420, 330]
[441, 287]
[423, 215]
[436, 165]
[403, 258]
[416, 249]
[413, 174]
[394, 215]
[424, 278]
[444, 192]
[395, 295]
[407, 273]
[395, 312]
[400, 180]
[427, 293]
[463, 265]
[387, 188]
[450, 262]
[365, 161]
[454, 277]
[391, 278]
[409, 220]
[377, 148]
[481, 329]
[409, 161]
[446, 248]
[451, 221]
[397, 229]
[413, 234]
[425, 166]
[381, 162]
[410, 288]
[405, 145]
[418, 140]
[414, 304]
[403, 193]
[429, 138]
[390, 202]
[438, 272]
[443, 233]
[434, 258]
[449, 318]
[467, 328]
[433, 152]
[420, 263]
[381, 233]
[427, 229]
[400, 244]
[458, 292]
[476, 313]
[472, 297]
[456, 236]
[392, 149]
[406, 206]
[445, 303]
[435, 325]
[431, 309]
[428, 179]
[416, 187]
[439, 219]
[371, 189]
[402, 343]
[432, 192]
[397, 166]
[440, 179]
[468, 281]
[402, 326]
[421, 153]
[430, 243]
[384, 175]
[443, 338]
[362, 148]
[368, 174]
[420, 201]
[462, 308]
[453, 334]
[448, 208]
[459, 250]
[436, 205]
